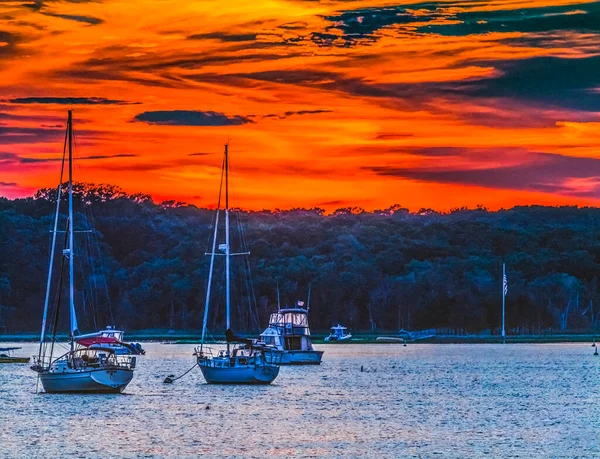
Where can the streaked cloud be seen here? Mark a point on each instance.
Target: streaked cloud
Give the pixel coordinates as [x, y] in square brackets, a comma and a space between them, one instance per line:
[335, 103]
[69, 101]
[191, 118]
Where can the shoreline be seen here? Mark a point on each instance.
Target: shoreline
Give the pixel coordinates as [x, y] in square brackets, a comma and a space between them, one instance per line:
[186, 337]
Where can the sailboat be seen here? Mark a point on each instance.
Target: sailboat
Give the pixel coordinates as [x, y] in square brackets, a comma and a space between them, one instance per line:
[246, 363]
[90, 365]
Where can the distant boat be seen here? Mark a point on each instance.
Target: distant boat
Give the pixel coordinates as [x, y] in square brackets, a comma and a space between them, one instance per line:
[289, 333]
[338, 333]
[7, 355]
[91, 364]
[248, 363]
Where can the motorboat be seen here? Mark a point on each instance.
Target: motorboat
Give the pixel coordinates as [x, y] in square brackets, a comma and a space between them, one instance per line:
[7, 355]
[289, 333]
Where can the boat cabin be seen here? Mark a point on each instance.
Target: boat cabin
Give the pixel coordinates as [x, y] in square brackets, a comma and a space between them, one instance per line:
[288, 330]
[338, 331]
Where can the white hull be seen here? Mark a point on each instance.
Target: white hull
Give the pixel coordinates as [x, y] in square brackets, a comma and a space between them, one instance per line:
[334, 339]
[260, 374]
[301, 357]
[87, 380]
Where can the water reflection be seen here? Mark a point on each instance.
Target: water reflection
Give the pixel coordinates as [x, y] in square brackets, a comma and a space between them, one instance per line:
[418, 401]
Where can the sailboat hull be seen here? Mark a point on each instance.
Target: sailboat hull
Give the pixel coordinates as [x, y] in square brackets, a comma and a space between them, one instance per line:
[239, 374]
[301, 357]
[87, 381]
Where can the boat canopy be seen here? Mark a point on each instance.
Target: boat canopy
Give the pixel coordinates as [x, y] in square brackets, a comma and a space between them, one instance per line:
[91, 340]
[295, 317]
[291, 321]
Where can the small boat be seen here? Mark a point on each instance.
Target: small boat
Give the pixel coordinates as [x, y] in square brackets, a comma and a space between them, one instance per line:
[248, 363]
[7, 355]
[91, 364]
[338, 333]
[289, 333]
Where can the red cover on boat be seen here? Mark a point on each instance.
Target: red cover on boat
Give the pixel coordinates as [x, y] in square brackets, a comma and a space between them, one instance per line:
[87, 342]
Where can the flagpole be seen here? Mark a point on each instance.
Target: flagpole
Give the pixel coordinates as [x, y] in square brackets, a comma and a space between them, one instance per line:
[503, 298]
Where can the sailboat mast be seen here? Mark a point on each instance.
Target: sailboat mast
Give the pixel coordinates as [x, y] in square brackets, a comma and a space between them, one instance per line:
[227, 251]
[52, 250]
[71, 252]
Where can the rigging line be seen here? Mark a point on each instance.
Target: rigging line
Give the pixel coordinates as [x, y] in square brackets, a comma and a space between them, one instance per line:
[246, 274]
[171, 378]
[88, 295]
[91, 292]
[251, 292]
[212, 258]
[95, 246]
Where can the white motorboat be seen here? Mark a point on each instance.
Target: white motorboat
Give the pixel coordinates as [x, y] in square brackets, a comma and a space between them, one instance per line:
[248, 363]
[89, 365]
[289, 333]
[338, 333]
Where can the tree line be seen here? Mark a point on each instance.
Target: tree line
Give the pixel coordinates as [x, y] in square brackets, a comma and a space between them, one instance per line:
[142, 265]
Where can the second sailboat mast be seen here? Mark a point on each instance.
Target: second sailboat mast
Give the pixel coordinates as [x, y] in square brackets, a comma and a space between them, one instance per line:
[227, 251]
[71, 251]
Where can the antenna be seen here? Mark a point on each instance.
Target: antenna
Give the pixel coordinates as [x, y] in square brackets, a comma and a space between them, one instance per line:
[278, 300]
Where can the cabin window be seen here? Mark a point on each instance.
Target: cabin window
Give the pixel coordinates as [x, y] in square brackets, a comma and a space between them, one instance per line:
[293, 343]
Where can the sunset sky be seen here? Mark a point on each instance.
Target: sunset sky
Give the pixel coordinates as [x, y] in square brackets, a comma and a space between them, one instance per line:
[324, 103]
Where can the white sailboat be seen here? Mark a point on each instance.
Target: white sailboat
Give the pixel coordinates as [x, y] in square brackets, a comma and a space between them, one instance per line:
[247, 363]
[83, 368]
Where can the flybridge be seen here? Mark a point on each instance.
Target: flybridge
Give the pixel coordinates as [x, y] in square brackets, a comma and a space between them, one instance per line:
[294, 320]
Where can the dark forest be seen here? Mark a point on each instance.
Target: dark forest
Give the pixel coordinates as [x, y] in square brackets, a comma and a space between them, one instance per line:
[144, 266]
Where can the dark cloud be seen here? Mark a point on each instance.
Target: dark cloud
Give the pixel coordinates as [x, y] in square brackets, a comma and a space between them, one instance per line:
[28, 135]
[8, 184]
[299, 112]
[355, 25]
[10, 48]
[199, 154]
[71, 17]
[8, 158]
[69, 101]
[224, 36]
[563, 83]
[552, 81]
[27, 160]
[21, 135]
[191, 118]
[530, 171]
[584, 17]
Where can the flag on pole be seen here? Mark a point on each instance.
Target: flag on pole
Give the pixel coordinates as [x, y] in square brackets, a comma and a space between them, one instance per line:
[299, 303]
[505, 284]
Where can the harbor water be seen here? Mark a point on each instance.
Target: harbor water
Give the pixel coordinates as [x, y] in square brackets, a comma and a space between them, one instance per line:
[364, 400]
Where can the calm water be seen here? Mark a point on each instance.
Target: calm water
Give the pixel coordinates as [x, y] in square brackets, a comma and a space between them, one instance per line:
[420, 401]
